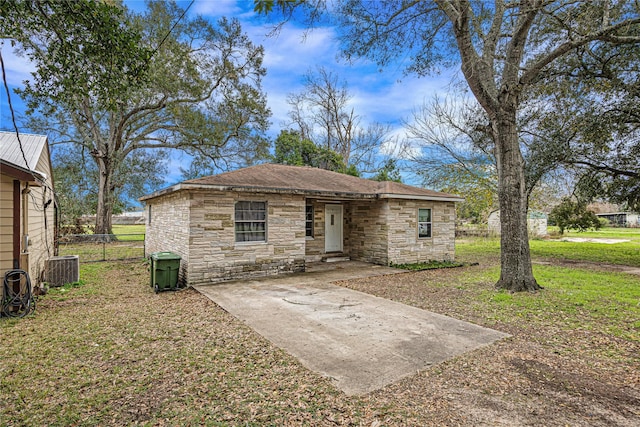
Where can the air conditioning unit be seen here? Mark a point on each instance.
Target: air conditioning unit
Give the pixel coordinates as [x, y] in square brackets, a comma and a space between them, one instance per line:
[60, 270]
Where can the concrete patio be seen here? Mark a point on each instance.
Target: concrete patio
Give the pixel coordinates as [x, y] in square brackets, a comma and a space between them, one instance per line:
[360, 341]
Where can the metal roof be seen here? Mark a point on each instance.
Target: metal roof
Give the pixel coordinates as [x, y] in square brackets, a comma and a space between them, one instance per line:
[31, 144]
[12, 160]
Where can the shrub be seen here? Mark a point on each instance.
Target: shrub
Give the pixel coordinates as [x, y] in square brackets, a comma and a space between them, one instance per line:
[573, 215]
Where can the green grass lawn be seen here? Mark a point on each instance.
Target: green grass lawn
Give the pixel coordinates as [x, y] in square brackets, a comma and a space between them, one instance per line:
[129, 244]
[632, 234]
[129, 232]
[574, 297]
[111, 352]
[619, 253]
[626, 253]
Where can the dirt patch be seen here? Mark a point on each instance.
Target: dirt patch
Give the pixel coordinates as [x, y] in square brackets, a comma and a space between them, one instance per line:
[592, 240]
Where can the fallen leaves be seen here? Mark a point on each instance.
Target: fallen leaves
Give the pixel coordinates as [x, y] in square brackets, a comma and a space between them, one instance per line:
[115, 353]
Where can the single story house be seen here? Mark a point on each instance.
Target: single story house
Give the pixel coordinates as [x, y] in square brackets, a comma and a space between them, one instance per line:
[270, 219]
[621, 219]
[27, 204]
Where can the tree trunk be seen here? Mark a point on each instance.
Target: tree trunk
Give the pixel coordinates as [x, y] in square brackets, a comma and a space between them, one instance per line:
[105, 198]
[516, 274]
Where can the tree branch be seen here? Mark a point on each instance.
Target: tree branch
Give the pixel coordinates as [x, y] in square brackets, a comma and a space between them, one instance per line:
[532, 71]
[604, 168]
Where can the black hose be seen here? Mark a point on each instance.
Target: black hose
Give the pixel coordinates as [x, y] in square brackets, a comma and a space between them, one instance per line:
[17, 296]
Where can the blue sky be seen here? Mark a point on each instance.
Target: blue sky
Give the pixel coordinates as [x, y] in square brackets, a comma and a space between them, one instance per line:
[387, 97]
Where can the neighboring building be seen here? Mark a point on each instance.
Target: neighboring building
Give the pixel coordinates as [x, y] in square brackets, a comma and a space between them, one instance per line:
[536, 223]
[27, 204]
[271, 219]
[621, 219]
[124, 218]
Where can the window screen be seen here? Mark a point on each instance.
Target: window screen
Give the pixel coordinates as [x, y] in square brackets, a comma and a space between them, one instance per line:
[309, 221]
[251, 222]
[424, 223]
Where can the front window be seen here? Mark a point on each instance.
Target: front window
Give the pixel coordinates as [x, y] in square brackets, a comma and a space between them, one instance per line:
[251, 221]
[424, 223]
[309, 221]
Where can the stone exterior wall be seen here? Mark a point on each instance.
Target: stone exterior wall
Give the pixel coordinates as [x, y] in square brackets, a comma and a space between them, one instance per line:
[315, 245]
[386, 231]
[214, 255]
[366, 231]
[200, 227]
[404, 244]
[167, 228]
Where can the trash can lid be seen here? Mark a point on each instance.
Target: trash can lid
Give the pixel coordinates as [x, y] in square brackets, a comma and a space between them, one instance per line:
[164, 256]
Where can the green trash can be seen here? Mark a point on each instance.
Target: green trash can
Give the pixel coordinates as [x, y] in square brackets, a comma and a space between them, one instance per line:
[165, 267]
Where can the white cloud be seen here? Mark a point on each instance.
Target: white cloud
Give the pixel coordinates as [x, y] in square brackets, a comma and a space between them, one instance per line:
[288, 56]
[294, 52]
[395, 100]
[17, 68]
[217, 8]
[177, 159]
[388, 97]
[279, 111]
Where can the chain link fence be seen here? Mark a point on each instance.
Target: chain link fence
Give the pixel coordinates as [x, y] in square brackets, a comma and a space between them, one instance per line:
[102, 247]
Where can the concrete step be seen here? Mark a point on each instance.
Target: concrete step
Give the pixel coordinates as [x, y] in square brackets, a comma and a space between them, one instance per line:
[337, 259]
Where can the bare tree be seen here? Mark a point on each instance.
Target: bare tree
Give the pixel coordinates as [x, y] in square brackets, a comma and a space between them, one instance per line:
[454, 152]
[322, 114]
[449, 130]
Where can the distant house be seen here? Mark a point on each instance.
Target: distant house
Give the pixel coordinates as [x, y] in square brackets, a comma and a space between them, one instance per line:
[536, 223]
[271, 219]
[621, 219]
[27, 208]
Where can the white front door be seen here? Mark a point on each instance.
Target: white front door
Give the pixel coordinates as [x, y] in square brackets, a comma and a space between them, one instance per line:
[333, 228]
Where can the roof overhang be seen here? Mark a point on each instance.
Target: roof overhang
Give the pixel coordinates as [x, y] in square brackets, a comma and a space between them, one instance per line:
[310, 193]
[34, 178]
[251, 189]
[421, 197]
[617, 213]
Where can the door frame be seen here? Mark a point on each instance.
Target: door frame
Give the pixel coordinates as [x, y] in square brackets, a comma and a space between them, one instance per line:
[339, 211]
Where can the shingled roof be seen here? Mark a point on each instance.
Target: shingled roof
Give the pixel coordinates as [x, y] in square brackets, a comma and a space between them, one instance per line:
[276, 178]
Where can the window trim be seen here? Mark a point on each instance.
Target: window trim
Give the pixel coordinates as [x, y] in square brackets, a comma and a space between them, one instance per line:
[265, 221]
[430, 223]
[308, 221]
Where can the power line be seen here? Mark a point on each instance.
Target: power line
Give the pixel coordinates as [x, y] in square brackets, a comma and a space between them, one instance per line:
[4, 78]
[136, 75]
[13, 115]
[184, 12]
